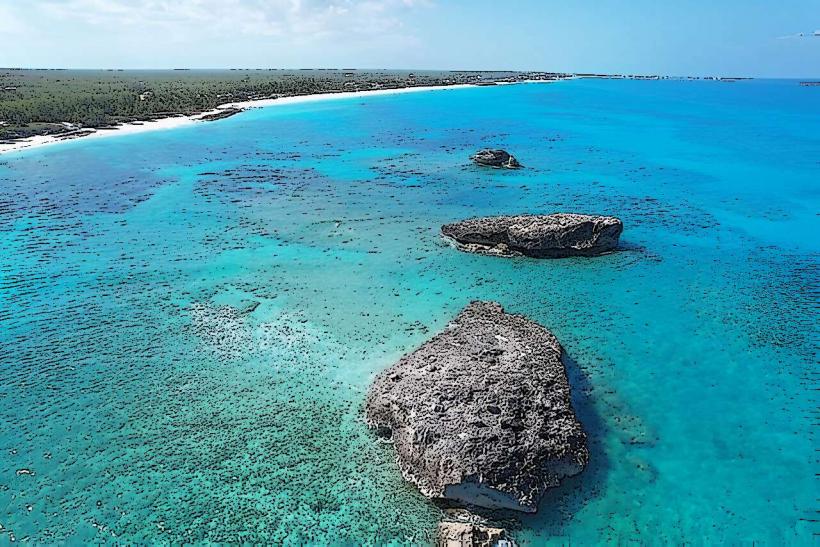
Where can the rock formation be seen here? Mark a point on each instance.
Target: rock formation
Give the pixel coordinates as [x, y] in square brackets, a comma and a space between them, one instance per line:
[220, 114]
[481, 413]
[465, 534]
[495, 158]
[542, 236]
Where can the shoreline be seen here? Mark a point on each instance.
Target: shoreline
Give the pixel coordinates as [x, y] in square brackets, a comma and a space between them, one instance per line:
[173, 122]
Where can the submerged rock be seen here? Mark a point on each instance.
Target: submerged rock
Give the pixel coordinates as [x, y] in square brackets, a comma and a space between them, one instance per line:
[481, 413]
[543, 236]
[495, 158]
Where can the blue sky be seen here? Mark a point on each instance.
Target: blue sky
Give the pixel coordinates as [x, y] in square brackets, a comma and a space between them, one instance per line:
[688, 37]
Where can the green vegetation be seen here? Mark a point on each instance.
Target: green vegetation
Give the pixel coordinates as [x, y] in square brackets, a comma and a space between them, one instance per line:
[37, 102]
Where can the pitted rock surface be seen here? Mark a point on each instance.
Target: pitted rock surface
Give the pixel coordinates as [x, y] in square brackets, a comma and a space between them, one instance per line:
[557, 235]
[481, 413]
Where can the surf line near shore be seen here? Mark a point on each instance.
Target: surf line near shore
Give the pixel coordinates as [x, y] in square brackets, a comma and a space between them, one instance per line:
[173, 122]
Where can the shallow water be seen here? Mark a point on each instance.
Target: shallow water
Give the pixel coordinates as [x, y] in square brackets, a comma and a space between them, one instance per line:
[191, 318]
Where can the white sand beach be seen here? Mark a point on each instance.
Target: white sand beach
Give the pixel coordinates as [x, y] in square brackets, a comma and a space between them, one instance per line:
[122, 129]
[182, 121]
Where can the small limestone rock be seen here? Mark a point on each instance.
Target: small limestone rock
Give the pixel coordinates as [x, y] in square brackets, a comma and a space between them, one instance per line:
[465, 534]
[542, 236]
[495, 158]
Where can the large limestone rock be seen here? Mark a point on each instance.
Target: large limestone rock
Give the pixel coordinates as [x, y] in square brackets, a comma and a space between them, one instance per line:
[543, 236]
[481, 413]
[495, 158]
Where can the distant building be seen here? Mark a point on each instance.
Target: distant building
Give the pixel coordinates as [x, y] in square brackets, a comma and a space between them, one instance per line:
[146, 95]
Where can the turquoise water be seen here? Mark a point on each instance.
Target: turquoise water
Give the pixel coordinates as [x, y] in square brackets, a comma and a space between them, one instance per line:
[191, 318]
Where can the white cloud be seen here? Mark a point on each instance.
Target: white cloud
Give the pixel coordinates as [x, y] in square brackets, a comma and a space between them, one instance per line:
[10, 22]
[298, 19]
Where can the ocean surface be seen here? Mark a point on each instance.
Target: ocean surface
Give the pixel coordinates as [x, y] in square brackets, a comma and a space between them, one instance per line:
[190, 319]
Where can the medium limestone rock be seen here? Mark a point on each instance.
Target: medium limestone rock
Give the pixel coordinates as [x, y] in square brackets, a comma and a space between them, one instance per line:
[495, 158]
[481, 413]
[543, 236]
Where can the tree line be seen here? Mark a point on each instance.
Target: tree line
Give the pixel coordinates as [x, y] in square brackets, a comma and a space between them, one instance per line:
[37, 101]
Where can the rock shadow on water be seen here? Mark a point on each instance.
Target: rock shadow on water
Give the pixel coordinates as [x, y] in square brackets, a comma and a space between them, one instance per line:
[632, 252]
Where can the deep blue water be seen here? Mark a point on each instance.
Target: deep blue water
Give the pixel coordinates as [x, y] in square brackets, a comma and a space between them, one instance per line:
[190, 318]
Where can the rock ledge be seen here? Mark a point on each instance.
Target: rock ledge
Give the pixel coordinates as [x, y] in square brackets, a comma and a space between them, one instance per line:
[481, 414]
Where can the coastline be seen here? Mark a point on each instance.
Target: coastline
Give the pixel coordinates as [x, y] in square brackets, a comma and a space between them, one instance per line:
[173, 122]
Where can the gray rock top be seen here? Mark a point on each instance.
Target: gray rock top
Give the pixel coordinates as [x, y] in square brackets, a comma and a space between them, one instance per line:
[543, 236]
[495, 158]
[481, 413]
